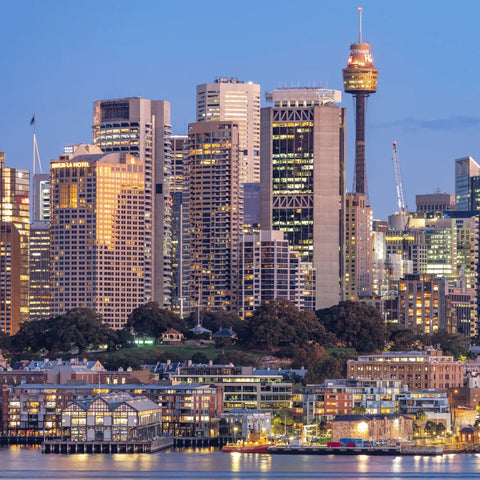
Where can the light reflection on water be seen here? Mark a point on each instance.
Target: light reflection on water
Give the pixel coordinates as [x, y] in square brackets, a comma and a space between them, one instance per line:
[209, 464]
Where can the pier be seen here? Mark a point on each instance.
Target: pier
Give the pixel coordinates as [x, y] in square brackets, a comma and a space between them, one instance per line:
[321, 450]
[131, 446]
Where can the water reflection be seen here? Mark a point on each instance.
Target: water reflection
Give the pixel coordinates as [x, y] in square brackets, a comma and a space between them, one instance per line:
[211, 464]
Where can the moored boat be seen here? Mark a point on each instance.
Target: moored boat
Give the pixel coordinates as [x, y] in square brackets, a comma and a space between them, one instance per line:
[256, 442]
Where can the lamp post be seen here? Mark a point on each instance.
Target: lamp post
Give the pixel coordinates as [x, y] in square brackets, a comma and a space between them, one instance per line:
[235, 429]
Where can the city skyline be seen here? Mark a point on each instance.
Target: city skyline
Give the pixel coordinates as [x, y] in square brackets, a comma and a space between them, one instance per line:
[422, 102]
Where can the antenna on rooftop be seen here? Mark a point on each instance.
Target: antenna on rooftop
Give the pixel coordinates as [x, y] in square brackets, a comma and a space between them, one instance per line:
[360, 10]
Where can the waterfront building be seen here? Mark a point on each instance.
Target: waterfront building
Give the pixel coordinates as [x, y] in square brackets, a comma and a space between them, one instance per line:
[245, 421]
[419, 370]
[432, 203]
[97, 233]
[142, 128]
[432, 403]
[39, 295]
[302, 192]
[228, 99]
[15, 220]
[341, 396]
[358, 247]
[116, 417]
[35, 410]
[215, 211]
[268, 270]
[389, 427]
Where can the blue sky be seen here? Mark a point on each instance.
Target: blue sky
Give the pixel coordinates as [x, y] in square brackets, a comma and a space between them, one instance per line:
[57, 57]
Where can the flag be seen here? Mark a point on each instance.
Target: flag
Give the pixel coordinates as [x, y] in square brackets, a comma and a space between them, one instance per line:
[32, 121]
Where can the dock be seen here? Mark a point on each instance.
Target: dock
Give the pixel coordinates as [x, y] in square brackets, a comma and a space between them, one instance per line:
[131, 446]
[383, 450]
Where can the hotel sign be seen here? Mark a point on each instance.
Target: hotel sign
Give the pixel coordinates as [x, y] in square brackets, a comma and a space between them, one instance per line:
[69, 164]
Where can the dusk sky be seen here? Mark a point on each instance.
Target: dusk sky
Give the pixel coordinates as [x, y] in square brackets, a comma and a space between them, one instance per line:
[58, 57]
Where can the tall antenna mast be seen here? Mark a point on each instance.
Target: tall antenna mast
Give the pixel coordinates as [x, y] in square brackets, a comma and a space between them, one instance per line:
[36, 155]
[360, 10]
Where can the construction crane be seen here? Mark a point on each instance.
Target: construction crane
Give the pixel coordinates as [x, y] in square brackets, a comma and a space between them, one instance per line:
[398, 179]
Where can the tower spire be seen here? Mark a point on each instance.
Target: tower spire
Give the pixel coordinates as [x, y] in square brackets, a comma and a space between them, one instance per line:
[360, 10]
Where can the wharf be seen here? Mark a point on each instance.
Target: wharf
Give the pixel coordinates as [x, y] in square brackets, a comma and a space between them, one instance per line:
[321, 450]
[132, 446]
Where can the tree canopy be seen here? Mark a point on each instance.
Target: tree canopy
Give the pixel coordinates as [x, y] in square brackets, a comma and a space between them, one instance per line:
[281, 323]
[150, 320]
[355, 324]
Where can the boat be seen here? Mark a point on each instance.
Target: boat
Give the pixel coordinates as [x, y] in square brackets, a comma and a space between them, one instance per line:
[256, 442]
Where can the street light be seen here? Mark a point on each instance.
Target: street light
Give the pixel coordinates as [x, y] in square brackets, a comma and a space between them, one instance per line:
[235, 429]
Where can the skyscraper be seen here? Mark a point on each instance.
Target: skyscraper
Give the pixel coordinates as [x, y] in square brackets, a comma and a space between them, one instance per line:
[98, 233]
[15, 216]
[41, 197]
[39, 270]
[228, 99]
[302, 191]
[358, 247]
[215, 213]
[360, 79]
[467, 184]
[142, 128]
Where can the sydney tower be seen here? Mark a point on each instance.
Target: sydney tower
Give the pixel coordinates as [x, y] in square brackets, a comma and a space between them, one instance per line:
[360, 79]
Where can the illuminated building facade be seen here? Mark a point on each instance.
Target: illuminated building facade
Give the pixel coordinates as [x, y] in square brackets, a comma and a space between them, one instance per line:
[358, 247]
[142, 128]
[269, 270]
[41, 197]
[215, 214]
[180, 224]
[15, 210]
[40, 270]
[418, 370]
[10, 283]
[97, 233]
[302, 191]
[467, 184]
[231, 100]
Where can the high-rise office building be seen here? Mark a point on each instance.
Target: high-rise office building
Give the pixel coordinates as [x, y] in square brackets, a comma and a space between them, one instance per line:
[41, 197]
[142, 128]
[358, 247]
[432, 203]
[180, 224]
[40, 297]
[228, 99]
[302, 191]
[268, 270]
[97, 233]
[11, 301]
[467, 184]
[215, 214]
[15, 210]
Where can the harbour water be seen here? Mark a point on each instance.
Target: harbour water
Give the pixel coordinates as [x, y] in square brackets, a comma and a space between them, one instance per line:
[208, 464]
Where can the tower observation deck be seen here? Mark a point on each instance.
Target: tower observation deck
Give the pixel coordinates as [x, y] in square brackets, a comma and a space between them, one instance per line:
[360, 79]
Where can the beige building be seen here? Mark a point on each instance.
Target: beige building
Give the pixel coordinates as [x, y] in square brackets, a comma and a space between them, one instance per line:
[215, 214]
[231, 100]
[392, 428]
[142, 128]
[358, 247]
[418, 370]
[97, 233]
[302, 191]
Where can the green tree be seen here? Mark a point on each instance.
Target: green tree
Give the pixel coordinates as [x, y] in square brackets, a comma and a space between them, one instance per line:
[150, 320]
[281, 323]
[357, 325]
[199, 358]
[238, 358]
